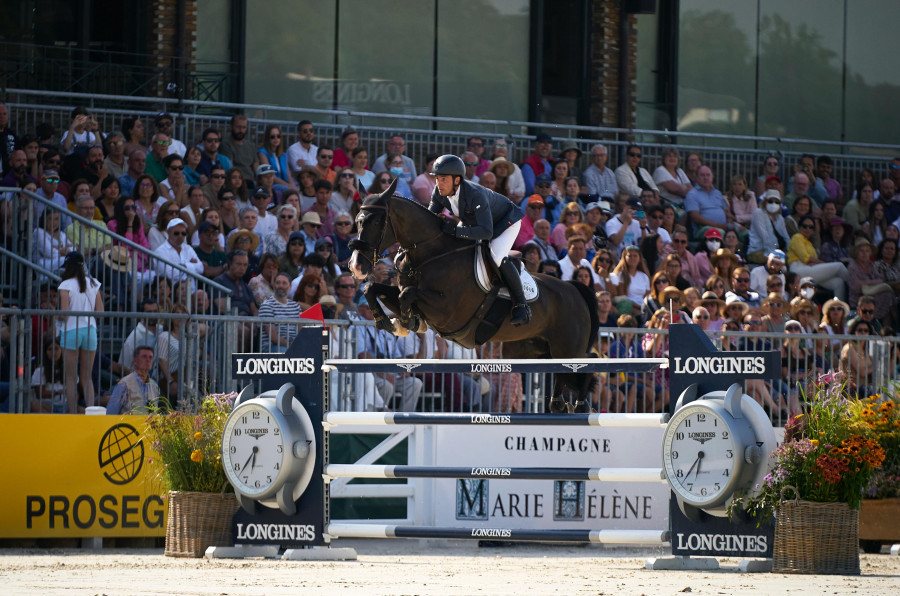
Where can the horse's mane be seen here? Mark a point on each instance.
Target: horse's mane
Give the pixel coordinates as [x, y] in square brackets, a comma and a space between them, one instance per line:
[416, 204]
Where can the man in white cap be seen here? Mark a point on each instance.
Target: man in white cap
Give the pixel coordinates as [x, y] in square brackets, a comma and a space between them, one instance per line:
[774, 266]
[176, 250]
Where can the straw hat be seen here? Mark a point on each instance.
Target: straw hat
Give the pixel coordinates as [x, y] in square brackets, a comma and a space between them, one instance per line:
[735, 301]
[725, 253]
[117, 259]
[670, 293]
[836, 302]
[861, 241]
[798, 304]
[773, 297]
[709, 296]
[254, 240]
[501, 160]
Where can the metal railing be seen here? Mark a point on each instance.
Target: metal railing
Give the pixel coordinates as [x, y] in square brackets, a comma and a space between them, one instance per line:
[727, 155]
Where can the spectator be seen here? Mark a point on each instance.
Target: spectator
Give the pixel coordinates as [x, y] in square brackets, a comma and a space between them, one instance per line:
[133, 129]
[804, 261]
[128, 181]
[706, 207]
[673, 267]
[244, 239]
[533, 213]
[263, 284]
[689, 268]
[740, 289]
[48, 190]
[625, 346]
[78, 334]
[834, 322]
[865, 280]
[277, 337]
[7, 138]
[342, 197]
[470, 161]
[165, 124]
[239, 149]
[836, 245]
[774, 266]
[605, 311]
[878, 223]
[396, 146]
[856, 363]
[86, 240]
[116, 163]
[158, 234]
[291, 262]
[272, 153]
[799, 364]
[212, 140]
[602, 264]
[159, 149]
[652, 301]
[705, 257]
[715, 306]
[768, 231]
[515, 184]
[775, 317]
[475, 145]
[242, 301]
[825, 169]
[805, 182]
[856, 211]
[538, 162]
[310, 290]
[210, 189]
[395, 166]
[303, 152]
[146, 196]
[50, 243]
[625, 229]
[865, 311]
[365, 176]
[376, 343]
[741, 202]
[235, 183]
[79, 136]
[632, 281]
[175, 251]
[342, 156]
[656, 345]
[631, 177]
[136, 391]
[700, 316]
[571, 154]
[324, 158]
[266, 222]
[171, 356]
[321, 209]
[771, 168]
[343, 234]
[209, 251]
[671, 180]
[17, 170]
[800, 188]
[803, 207]
[48, 379]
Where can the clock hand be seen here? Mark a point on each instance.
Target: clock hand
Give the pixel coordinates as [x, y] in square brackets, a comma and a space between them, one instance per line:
[691, 469]
[253, 465]
[699, 457]
[252, 455]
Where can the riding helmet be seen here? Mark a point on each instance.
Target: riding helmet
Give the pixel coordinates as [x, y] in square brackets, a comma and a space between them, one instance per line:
[449, 165]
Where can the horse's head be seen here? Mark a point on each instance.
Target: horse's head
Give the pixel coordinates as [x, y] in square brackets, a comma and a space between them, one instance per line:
[374, 232]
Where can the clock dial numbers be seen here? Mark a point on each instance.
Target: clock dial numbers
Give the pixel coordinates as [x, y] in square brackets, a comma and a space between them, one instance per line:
[255, 450]
[700, 454]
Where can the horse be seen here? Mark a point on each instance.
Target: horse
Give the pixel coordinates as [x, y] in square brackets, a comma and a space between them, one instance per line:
[437, 286]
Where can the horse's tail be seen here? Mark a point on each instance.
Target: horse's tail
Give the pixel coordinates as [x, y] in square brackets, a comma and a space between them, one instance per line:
[591, 300]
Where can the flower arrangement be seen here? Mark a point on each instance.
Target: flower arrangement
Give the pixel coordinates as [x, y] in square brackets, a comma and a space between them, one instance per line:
[188, 446]
[881, 414]
[828, 455]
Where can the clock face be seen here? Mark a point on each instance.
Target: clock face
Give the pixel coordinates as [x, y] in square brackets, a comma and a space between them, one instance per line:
[700, 454]
[253, 449]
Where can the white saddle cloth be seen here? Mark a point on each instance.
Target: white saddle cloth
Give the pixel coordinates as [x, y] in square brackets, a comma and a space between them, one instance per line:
[529, 285]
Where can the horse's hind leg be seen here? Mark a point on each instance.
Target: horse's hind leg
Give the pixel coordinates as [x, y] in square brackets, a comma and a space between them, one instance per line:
[557, 403]
[585, 388]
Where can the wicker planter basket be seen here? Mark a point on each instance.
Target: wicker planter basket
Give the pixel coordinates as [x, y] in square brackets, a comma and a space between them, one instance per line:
[197, 521]
[820, 538]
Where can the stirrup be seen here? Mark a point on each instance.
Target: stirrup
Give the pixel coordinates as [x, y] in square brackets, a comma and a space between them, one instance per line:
[521, 314]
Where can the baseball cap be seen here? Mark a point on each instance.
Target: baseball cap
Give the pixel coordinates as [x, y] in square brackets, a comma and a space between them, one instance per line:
[542, 179]
[260, 192]
[176, 222]
[264, 169]
[604, 206]
[713, 233]
[635, 203]
[205, 226]
[807, 281]
[592, 206]
[50, 173]
[543, 137]
[296, 236]
[163, 116]
[536, 200]
[778, 255]
[773, 179]
[771, 193]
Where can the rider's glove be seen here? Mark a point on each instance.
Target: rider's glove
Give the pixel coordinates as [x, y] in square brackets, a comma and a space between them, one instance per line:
[448, 226]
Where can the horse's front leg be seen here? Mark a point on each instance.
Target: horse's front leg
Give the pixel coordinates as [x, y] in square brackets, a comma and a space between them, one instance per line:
[390, 296]
[409, 316]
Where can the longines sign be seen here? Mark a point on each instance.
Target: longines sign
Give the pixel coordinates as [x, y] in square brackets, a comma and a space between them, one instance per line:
[254, 366]
[720, 365]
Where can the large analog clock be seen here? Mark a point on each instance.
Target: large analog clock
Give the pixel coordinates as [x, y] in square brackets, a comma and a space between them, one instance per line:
[713, 447]
[268, 449]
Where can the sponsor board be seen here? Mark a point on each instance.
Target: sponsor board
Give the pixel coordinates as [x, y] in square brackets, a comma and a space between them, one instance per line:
[78, 476]
[549, 504]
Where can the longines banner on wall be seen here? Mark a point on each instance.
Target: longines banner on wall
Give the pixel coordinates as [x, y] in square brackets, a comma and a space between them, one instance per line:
[77, 476]
[549, 504]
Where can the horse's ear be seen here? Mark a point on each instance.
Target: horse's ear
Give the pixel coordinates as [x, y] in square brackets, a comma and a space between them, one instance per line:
[391, 189]
[361, 189]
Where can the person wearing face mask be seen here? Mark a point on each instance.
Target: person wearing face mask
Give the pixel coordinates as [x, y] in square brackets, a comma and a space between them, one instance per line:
[713, 242]
[774, 266]
[767, 229]
[807, 288]
[394, 165]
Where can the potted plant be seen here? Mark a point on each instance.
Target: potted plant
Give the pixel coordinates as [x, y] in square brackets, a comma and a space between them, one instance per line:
[879, 516]
[188, 464]
[815, 486]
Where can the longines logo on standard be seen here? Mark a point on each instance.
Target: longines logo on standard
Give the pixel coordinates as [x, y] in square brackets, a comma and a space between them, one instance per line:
[721, 542]
[491, 368]
[720, 365]
[274, 366]
[298, 532]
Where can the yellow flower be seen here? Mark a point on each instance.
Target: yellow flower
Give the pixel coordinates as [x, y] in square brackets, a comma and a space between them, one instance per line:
[198, 435]
[197, 456]
[815, 442]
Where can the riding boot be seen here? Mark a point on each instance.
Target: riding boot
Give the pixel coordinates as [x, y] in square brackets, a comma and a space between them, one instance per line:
[521, 313]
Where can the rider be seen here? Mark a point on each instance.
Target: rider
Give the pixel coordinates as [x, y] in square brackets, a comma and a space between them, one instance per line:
[484, 215]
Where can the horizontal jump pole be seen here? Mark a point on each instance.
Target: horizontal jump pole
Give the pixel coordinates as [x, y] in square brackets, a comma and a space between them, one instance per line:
[601, 474]
[423, 365]
[489, 419]
[642, 537]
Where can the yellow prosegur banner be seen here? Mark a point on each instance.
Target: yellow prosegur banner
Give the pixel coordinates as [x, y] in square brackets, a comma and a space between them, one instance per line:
[77, 476]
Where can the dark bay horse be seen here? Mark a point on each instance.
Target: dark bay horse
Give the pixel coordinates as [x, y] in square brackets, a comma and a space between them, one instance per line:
[437, 283]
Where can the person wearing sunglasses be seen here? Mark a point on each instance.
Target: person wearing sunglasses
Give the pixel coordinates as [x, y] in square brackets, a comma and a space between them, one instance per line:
[173, 187]
[631, 177]
[272, 153]
[865, 311]
[159, 149]
[803, 259]
[211, 140]
[48, 190]
[176, 251]
[396, 145]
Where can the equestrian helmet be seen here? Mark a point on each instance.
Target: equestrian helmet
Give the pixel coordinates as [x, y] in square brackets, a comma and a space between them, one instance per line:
[449, 165]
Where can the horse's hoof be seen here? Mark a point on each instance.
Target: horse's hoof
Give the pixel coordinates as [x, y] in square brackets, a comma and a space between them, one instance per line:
[582, 407]
[422, 327]
[559, 406]
[398, 329]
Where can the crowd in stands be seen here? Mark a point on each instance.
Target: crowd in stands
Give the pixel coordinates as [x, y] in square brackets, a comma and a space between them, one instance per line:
[783, 250]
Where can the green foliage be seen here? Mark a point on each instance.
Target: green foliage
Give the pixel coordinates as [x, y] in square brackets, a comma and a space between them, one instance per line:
[881, 414]
[828, 455]
[188, 446]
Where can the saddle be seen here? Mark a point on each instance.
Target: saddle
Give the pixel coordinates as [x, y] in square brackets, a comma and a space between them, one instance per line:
[486, 278]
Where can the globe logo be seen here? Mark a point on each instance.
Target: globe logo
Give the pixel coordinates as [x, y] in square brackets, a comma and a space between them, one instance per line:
[121, 454]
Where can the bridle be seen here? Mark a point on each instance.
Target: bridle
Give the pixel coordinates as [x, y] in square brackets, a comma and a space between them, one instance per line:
[364, 247]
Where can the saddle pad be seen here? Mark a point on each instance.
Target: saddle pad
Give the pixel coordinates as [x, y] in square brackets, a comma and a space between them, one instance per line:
[529, 285]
